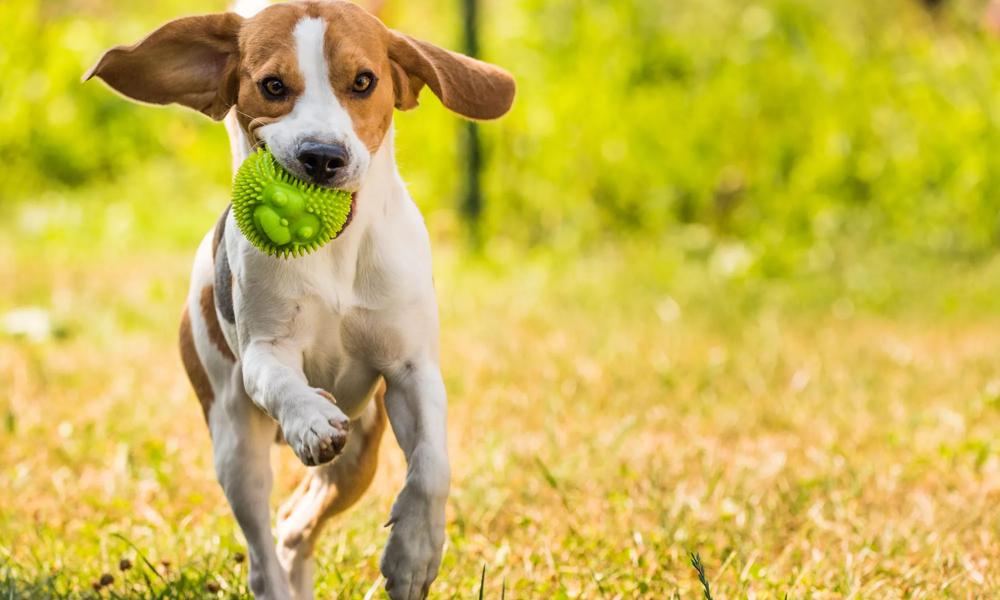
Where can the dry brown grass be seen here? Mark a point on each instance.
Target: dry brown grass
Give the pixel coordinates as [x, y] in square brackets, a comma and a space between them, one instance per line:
[598, 436]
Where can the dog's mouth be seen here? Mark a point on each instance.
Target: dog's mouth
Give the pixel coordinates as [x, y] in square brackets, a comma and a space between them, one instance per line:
[350, 215]
[295, 172]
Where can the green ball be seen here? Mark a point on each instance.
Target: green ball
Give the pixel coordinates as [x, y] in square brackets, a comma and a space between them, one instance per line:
[284, 216]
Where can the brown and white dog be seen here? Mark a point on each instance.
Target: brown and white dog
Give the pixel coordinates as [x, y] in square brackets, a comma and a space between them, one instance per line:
[320, 348]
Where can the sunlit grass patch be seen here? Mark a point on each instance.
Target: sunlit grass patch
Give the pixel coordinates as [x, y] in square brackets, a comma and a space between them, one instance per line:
[610, 414]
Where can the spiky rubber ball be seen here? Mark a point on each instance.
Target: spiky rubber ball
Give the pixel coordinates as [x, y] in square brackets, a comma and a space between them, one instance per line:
[282, 215]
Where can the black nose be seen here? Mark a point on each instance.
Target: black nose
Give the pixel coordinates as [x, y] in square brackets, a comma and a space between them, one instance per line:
[322, 162]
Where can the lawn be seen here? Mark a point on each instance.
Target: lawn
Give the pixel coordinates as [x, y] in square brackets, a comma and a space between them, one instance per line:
[610, 413]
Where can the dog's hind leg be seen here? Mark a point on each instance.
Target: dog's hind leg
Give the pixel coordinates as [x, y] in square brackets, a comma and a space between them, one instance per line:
[325, 491]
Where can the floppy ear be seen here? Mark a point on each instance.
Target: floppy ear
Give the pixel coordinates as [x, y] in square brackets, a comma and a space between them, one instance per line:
[191, 61]
[470, 87]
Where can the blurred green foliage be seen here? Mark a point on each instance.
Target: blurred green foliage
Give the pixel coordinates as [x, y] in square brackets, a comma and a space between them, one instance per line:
[789, 133]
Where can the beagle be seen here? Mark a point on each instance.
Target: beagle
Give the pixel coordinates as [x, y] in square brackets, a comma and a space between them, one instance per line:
[317, 350]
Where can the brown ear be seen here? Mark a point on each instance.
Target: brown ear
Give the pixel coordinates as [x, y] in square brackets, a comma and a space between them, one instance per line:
[191, 61]
[465, 85]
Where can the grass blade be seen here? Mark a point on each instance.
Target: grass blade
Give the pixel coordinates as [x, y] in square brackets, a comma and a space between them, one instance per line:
[698, 566]
[141, 555]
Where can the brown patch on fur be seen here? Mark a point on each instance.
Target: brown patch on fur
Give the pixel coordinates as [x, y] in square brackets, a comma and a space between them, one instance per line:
[192, 365]
[267, 48]
[218, 339]
[355, 42]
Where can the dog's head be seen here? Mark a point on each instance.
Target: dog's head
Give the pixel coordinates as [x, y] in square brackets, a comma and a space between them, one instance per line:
[315, 81]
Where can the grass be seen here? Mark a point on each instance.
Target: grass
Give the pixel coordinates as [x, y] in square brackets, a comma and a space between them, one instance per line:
[702, 578]
[610, 414]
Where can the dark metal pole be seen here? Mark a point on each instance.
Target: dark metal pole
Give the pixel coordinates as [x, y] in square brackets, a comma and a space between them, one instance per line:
[472, 203]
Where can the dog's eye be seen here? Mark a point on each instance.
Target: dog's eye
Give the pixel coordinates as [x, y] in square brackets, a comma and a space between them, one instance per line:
[364, 82]
[273, 88]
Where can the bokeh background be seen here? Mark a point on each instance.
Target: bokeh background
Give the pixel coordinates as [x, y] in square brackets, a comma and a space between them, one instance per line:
[733, 290]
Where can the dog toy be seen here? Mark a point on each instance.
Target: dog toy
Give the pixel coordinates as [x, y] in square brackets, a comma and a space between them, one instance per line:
[284, 216]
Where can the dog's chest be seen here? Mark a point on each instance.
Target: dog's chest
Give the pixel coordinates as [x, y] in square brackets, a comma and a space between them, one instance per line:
[362, 306]
[341, 353]
[360, 319]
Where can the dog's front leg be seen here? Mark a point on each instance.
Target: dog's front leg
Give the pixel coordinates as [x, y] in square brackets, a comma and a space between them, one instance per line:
[310, 421]
[417, 406]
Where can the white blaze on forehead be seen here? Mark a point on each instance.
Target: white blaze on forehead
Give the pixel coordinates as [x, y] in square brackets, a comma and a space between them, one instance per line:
[318, 102]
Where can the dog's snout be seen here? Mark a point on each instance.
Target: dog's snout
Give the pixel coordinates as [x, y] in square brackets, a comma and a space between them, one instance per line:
[322, 162]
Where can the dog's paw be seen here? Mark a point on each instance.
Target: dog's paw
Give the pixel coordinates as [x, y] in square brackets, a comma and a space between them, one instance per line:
[315, 429]
[413, 553]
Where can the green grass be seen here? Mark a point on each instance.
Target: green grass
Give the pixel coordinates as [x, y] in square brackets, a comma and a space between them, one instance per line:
[610, 413]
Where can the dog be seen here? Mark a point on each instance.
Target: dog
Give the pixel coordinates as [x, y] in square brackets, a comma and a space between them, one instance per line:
[322, 349]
